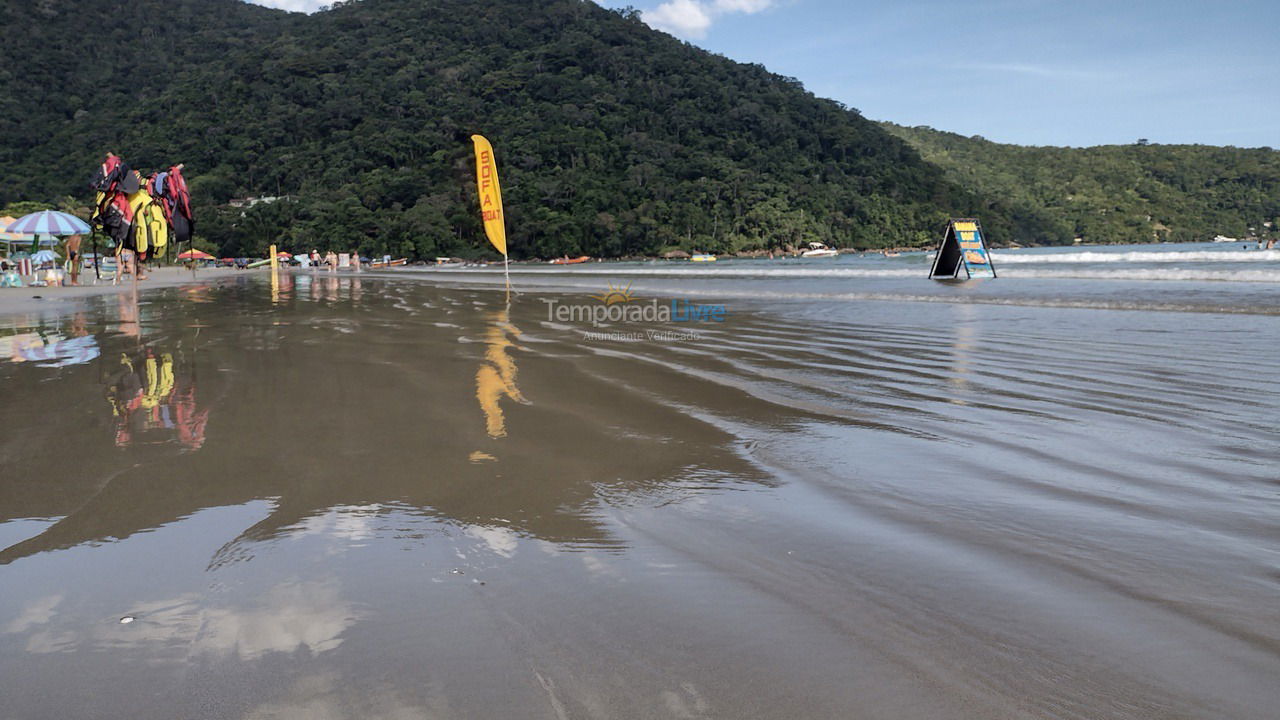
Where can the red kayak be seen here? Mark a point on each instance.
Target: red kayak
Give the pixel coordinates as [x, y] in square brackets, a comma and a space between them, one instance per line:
[570, 261]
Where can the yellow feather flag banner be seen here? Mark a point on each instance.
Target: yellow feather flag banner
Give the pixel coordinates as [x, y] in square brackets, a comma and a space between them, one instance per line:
[490, 194]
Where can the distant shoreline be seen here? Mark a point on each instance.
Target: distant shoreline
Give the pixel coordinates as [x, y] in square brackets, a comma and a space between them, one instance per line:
[15, 301]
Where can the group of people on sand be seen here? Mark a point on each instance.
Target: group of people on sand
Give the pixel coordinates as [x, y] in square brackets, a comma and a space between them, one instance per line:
[330, 260]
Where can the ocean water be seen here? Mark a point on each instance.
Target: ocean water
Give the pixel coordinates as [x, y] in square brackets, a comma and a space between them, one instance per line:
[860, 493]
[1195, 277]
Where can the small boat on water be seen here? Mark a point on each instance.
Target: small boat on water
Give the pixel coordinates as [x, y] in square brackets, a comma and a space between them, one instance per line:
[392, 263]
[702, 257]
[817, 250]
[566, 260]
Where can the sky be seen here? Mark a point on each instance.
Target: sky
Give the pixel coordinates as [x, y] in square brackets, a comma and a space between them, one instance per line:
[1031, 72]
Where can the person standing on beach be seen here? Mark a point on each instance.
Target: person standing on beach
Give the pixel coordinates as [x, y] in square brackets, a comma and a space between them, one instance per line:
[131, 261]
[73, 258]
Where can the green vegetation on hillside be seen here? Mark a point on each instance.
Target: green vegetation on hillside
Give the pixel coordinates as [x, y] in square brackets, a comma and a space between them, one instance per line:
[1116, 193]
[612, 139]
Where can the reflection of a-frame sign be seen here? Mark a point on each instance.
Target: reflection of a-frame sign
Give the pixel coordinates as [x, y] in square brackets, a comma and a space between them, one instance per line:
[963, 249]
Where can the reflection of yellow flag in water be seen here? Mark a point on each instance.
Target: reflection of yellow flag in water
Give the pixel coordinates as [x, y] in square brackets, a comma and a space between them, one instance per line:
[497, 375]
[490, 194]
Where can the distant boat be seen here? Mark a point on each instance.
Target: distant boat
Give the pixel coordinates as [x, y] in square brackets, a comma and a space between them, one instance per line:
[702, 257]
[393, 263]
[817, 250]
[566, 260]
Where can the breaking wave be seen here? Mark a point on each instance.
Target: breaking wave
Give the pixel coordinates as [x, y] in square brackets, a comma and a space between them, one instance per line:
[734, 271]
[1137, 256]
[1250, 275]
[1188, 274]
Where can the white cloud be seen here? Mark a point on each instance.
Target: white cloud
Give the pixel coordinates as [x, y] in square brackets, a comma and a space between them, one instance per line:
[328, 695]
[692, 18]
[1043, 71]
[351, 524]
[290, 617]
[305, 6]
[37, 613]
[687, 18]
[742, 6]
[500, 540]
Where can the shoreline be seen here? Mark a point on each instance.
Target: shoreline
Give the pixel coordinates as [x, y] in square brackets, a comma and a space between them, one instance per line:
[35, 298]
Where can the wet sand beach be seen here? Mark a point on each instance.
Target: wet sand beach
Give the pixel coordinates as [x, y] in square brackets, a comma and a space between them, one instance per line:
[414, 496]
[55, 299]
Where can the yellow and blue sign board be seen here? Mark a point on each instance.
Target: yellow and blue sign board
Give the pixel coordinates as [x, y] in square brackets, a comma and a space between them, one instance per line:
[962, 249]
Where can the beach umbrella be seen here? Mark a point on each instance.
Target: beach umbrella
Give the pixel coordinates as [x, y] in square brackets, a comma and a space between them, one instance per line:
[48, 222]
[8, 238]
[44, 256]
[194, 255]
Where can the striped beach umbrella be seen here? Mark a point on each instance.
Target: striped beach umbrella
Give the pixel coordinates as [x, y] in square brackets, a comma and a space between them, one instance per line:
[48, 222]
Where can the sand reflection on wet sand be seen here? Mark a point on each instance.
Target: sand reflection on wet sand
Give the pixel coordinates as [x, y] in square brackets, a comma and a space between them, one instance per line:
[376, 497]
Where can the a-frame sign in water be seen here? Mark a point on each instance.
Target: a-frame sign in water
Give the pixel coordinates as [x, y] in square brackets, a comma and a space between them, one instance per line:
[962, 250]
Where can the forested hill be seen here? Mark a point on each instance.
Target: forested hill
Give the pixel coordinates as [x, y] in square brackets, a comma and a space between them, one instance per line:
[611, 138]
[1117, 193]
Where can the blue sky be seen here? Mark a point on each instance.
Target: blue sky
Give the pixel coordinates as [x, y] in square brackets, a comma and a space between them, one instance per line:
[1034, 72]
